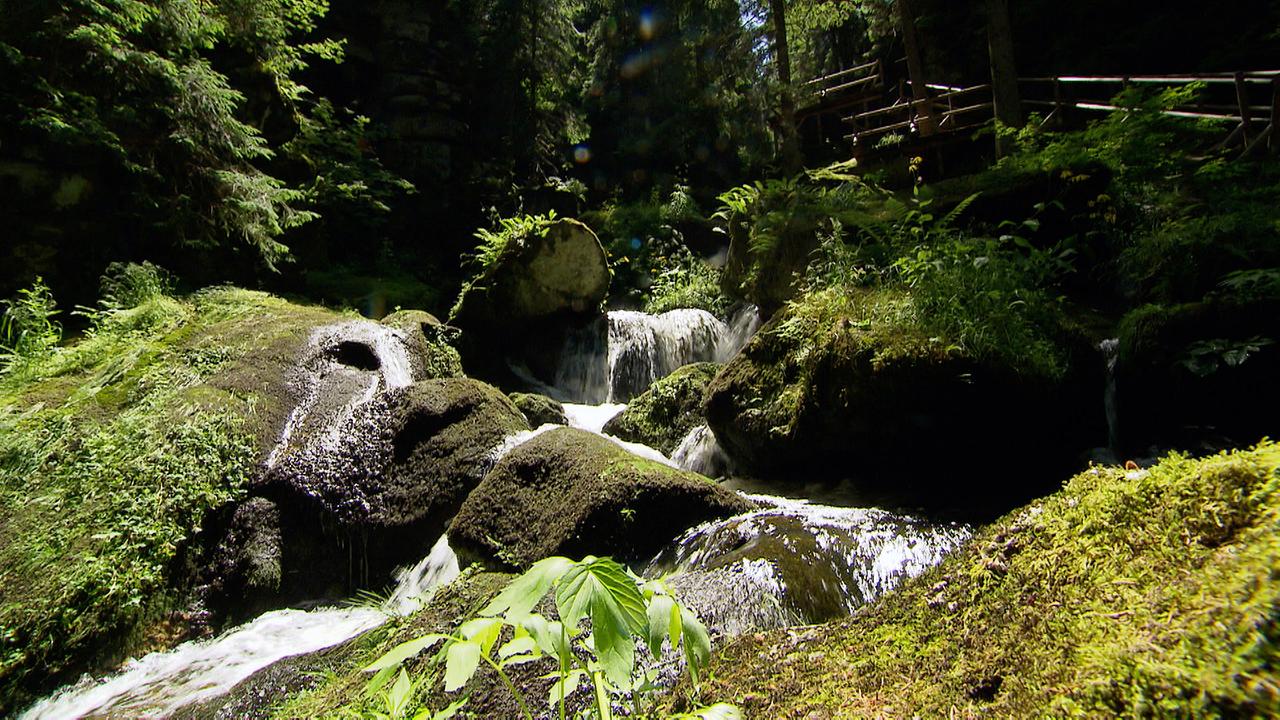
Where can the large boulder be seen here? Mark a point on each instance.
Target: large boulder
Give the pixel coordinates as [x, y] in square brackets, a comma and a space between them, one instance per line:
[571, 492]
[820, 394]
[668, 411]
[517, 309]
[1199, 373]
[431, 342]
[378, 484]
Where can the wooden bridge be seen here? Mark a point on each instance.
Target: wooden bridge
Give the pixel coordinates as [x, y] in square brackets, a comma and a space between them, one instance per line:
[875, 119]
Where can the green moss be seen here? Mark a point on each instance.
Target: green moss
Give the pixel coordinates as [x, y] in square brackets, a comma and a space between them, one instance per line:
[112, 452]
[1147, 593]
[539, 409]
[665, 413]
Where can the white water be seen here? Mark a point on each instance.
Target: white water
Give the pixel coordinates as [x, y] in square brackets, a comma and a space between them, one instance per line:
[638, 349]
[161, 683]
[700, 452]
[321, 372]
[1110, 353]
[854, 554]
[591, 417]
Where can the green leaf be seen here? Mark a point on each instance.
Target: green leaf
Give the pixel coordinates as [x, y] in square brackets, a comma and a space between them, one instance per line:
[518, 646]
[484, 631]
[517, 599]
[399, 694]
[550, 637]
[460, 664]
[697, 644]
[601, 588]
[404, 651]
[564, 687]
[449, 711]
[660, 614]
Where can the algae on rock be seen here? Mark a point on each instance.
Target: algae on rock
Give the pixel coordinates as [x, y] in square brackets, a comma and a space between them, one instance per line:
[665, 413]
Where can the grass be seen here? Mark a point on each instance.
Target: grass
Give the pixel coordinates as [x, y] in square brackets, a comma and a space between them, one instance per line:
[113, 450]
[1148, 593]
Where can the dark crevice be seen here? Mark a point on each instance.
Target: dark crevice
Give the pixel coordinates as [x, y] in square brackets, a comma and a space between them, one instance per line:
[356, 355]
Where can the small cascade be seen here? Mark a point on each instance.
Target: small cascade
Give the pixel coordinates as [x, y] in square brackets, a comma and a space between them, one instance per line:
[591, 417]
[743, 324]
[161, 683]
[616, 362]
[1110, 354]
[794, 561]
[700, 452]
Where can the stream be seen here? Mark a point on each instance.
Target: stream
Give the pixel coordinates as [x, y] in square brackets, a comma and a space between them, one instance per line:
[792, 561]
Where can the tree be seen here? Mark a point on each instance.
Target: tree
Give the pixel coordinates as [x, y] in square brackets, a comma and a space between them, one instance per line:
[915, 66]
[791, 160]
[1004, 73]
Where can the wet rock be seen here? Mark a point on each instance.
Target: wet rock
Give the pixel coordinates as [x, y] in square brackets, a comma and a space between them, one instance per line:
[379, 486]
[431, 343]
[246, 563]
[665, 413]
[571, 492]
[539, 409]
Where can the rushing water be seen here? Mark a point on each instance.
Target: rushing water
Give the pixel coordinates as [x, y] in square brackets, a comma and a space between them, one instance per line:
[700, 452]
[622, 360]
[796, 561]
[160, 683]
[1110, 354]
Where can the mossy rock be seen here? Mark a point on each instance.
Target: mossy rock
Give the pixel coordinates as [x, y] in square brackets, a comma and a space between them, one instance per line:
[387, 498]
[1140, 593]
[571, 492]
[1206, 372]
[665, 413]
[849, 386]
[432, 342]
[539, 409]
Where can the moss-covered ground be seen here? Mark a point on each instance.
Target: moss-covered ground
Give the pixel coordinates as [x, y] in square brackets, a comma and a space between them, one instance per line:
[113, 450]
[1129, 593]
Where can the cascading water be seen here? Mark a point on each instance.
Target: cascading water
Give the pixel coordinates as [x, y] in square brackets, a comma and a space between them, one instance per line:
[794, 561]
[700, 452]
[620, 360]
[161, 683]
[1110, 354]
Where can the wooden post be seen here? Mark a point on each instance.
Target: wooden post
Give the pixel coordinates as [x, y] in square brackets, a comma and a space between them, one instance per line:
[1242, 97]
[1274, 142]
[915, 68]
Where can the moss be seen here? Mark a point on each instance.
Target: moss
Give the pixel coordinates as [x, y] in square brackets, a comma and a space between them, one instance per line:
[539, 409]
[571, 492]
[1147, 593]
[113, 450]
[665, 413]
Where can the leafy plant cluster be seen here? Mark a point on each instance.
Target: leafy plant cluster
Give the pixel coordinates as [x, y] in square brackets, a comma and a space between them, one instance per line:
[109, 461]
[28, 330]
[511, 230]
[508, 632]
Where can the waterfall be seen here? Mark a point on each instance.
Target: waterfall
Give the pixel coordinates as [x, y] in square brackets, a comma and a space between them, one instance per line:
[161, 683]
[616, 360]
[794, 561]
[1110, 353]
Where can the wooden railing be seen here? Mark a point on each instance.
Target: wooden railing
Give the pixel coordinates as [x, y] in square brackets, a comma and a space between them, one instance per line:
[1250, 100]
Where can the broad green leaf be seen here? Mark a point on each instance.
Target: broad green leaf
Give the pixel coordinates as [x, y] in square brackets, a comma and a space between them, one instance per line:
[660, 612]
[399, 694]
[550, 638]
[518, 646]
[564, 687]
[404, 651]
[697, 644]
[460, 664]
[484, 631]
[719, 711]
[518, 598]
[449, 711]
[601, 588]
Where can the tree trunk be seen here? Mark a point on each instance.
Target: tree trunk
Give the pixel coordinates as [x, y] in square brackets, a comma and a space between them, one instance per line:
[1004, 72]
[915, 68]
[792, 162]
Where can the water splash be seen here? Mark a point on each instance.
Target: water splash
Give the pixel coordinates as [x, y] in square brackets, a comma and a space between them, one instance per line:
[743, 324]
[1111, 354]
[812, 562]
[592, 418]
[159, 684]
[700, 452]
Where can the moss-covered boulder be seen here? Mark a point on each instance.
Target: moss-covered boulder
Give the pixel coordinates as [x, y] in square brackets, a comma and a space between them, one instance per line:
[1140, 593]
[385, 498]
[432, 342]
[519, 306]
[664, 414]
[571, 492]
[1200, 372]
[539, 409]
[853, 387]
